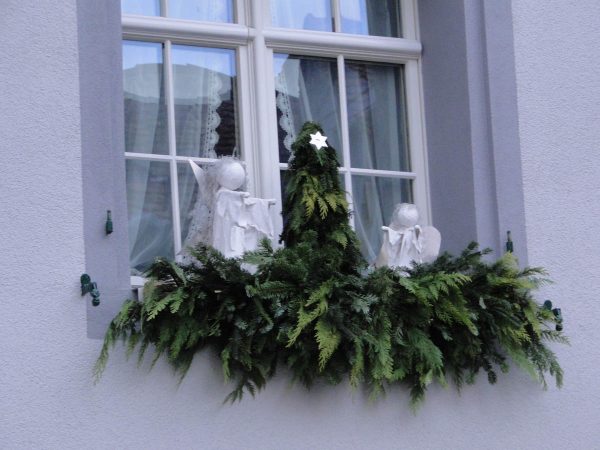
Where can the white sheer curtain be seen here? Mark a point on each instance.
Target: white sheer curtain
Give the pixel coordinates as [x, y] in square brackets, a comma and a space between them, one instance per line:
[145, 132]
[374, 201]
[375, 110]
[150, 217]
[202, 81]
[197, 99]
[203, 90]
[378, 140]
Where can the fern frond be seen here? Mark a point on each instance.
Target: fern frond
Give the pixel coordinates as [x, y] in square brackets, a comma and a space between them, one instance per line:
[328, 340]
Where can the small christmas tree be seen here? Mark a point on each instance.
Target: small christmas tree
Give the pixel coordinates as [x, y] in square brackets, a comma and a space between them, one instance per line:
[315, 205]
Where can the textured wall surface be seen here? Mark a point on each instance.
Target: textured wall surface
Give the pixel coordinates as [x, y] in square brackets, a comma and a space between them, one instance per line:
[47, 399]
[558, 66]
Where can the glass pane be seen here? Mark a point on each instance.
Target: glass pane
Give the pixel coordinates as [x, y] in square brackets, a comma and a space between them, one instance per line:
[377, 117]
[305, 14]
[374, 201]
[306, 88]
[193, 208]
[141, 7]
[374, 17]
[204, 91]
[149, 211]
[145, 108]
[206, 10]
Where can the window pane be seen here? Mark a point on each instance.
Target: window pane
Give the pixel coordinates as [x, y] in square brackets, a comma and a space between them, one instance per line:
[204, 92]
[377, 118]
[149, 211]
[142, 7]
[374, 17]
[145, 109]
[207, 10]
[374, 201]
[306, 88]
[305, 14]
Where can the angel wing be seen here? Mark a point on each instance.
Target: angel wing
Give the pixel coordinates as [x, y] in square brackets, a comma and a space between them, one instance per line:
[199, 173]
[432, 240]
[200, 213]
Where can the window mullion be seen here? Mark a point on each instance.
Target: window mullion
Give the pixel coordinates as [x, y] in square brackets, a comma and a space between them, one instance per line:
[416, 138]
[212, 34]
[318, 43]
[345, 132]
[410, 24]
[167, 158]
[240, 15]
[261, 14]
[170, 98]
[247, 141]
[337, 15]
[266, 154]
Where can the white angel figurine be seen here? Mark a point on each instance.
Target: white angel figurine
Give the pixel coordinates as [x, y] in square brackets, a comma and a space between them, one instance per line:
[239, 221]
[405, 242]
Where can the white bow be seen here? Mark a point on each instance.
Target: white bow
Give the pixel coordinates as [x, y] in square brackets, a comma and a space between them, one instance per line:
[410, 248]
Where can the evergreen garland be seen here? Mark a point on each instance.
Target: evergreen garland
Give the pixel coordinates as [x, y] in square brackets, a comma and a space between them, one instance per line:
[313, 307]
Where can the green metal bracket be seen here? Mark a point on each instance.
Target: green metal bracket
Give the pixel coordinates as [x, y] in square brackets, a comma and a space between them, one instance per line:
[88, 286]
[559, 319]
[109, 222]
[509, 243]
[557, 314]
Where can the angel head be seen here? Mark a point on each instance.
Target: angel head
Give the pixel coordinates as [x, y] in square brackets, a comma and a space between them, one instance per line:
[405, 215]
[230, 174]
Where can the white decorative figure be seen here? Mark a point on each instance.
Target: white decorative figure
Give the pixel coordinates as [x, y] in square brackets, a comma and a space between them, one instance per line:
[405, 242]
[318, 140]
[239, 221]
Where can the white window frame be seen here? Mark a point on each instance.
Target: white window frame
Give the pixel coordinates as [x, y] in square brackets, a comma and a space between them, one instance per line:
[255, 41]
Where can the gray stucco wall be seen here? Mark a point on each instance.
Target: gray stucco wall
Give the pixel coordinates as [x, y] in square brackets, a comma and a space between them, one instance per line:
[47, 397]
[558, 66]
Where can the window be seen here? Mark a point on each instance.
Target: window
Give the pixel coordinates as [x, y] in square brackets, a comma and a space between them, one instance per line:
[210, 78]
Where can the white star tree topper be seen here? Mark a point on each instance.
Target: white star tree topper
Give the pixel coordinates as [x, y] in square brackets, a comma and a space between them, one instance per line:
[318, 140]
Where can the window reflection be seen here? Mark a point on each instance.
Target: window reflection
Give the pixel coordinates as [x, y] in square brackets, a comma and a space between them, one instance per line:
[145, 109]
[372, 17]
[305, 14]
[204, 96]
[149, 211]
[306, 89]
[376, 110]
[206, 10]
[374, 199]
[141, 7]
